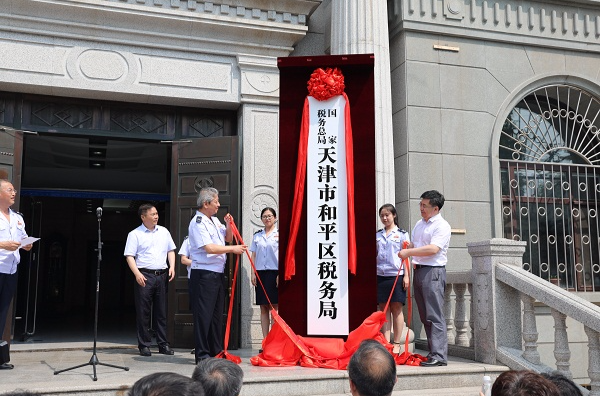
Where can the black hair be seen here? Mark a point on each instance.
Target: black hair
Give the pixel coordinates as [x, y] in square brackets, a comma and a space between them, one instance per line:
[262, 212]
[144, 208]
[166, 384]
[392, 210]
[566, 386]
[523, 383]
[435, 198]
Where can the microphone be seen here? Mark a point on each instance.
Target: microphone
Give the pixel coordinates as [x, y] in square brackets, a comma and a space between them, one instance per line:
[99, 212]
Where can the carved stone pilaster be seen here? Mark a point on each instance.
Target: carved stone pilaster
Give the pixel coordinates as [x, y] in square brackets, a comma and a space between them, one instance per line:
[360, 27]
[260, 136]
[259, 79]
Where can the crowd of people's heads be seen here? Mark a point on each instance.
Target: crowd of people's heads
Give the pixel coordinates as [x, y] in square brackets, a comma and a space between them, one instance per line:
[211, 377]
[529, 383]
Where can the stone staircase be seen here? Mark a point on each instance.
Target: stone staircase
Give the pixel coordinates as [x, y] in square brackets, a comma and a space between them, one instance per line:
[34, 371]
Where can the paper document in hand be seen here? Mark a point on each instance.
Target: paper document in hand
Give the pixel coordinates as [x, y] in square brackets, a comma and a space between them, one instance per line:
[28, 241]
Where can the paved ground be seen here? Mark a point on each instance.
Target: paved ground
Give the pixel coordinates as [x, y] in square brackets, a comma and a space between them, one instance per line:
[35, 366]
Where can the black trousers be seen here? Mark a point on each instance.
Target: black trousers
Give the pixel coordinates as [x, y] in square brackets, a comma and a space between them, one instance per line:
[208, 299]
[8, 285]
[153, 297]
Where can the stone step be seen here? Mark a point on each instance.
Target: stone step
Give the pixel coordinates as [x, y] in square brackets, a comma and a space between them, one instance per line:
[34, 371]
[459, 374]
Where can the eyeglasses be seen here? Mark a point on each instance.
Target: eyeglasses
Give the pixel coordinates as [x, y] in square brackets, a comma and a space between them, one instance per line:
[267, 217]
[11, 190]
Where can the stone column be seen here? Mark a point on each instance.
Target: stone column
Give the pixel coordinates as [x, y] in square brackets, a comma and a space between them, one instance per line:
[495, 302]
[258, 124]
[361, 27]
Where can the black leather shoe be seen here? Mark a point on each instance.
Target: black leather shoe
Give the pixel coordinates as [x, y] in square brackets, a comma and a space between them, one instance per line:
[433, 363]
[145, 351]
[165, 350]
[6, 366]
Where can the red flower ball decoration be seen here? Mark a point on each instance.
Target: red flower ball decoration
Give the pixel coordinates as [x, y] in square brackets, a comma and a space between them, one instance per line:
[325, 84]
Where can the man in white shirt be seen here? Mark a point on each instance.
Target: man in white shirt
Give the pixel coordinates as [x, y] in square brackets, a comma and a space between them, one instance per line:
[208, 251]
[429, 249]
[12, 231]
[150, 254]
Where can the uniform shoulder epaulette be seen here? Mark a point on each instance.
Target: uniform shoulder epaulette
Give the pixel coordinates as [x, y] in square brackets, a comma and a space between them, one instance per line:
[20, 214]
[256, 232]
[402, 230]
[199, 219]
[379, 230]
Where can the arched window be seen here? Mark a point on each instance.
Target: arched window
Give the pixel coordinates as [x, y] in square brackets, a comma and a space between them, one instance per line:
[550, 178]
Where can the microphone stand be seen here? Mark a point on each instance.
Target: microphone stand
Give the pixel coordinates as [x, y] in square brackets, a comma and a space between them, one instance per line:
[94, 359]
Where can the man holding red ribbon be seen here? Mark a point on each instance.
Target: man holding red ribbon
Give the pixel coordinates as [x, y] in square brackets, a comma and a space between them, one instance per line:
[208, 252]
[429, 249]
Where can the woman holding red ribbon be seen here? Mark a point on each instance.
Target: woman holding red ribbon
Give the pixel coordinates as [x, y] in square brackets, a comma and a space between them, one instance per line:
[389, 243]
[265, 256]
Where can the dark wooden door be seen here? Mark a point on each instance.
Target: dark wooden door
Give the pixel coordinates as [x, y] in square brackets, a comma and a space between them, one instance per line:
[197, 163]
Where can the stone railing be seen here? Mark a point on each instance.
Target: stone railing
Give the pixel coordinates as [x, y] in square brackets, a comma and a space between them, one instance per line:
[459, 314]
[501, 328]
[491, 318]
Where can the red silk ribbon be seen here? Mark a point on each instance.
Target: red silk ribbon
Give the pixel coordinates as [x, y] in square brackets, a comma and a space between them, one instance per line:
[290, 256]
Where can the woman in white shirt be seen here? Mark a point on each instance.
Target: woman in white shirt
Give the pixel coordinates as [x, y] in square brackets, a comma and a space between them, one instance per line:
[265, 255]
[389, 243]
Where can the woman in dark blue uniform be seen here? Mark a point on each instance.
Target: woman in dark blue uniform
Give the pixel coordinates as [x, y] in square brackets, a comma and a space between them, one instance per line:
[265, 254]
[389, 243]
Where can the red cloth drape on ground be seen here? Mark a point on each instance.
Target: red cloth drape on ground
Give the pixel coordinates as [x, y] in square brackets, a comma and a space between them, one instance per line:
[238, 240]
[283, 347]
[323, 85]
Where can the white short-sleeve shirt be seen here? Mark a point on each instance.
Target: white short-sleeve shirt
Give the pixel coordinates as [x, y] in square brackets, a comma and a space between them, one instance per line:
[203, 231]
[266, 249]
[149, 247]
[11, 231]
[388, 247]
[436, 232]
[185, 251]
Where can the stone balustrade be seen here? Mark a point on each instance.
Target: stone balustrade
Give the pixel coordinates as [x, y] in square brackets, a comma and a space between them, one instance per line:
[490, 313]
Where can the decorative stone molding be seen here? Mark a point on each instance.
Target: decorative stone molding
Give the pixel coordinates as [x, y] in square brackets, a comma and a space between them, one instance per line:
[547, 23]
[259, 79]
[262, 198]
[286, 12]
[190, 26]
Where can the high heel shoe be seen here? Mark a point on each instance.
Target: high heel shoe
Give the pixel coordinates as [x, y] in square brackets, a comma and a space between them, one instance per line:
[396, 343]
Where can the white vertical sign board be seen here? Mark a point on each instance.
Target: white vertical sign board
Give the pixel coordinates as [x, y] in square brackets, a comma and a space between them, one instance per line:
[327, 219]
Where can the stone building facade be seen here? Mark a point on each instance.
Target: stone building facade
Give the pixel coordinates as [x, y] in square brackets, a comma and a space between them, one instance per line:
[482, 100]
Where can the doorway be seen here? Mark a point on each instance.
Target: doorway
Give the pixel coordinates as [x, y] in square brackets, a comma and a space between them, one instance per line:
[64, 180]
